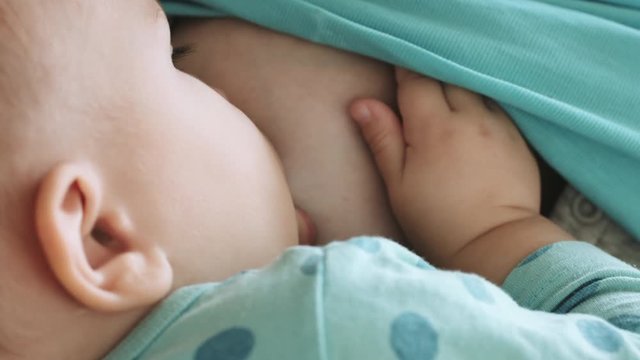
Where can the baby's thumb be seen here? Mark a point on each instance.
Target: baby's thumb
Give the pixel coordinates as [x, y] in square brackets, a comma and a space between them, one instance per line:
[381, 130]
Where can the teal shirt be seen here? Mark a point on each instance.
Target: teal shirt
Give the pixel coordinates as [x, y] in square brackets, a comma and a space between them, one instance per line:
[370, 298]
[567, 71]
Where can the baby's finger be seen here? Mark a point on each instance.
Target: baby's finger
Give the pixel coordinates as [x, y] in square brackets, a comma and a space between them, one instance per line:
[463, 100]
[421, 101]
[381, 130]
[419, 95]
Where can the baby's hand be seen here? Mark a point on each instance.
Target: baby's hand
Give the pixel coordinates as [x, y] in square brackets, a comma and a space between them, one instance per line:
[455, 166]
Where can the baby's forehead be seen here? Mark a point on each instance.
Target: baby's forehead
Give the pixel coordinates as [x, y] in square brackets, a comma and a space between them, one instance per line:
[64, 35]
[32, 20]
[81, 52]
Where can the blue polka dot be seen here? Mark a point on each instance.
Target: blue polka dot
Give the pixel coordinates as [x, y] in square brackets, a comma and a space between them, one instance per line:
[235, 343]
[476, 288]
[535, 255]
[424, 265]
[413, 338]
[601, 335]
[627, 322]
[367, 244]
[310, 265]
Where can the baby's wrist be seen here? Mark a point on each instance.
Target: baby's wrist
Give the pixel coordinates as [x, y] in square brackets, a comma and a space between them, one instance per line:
[495, 253]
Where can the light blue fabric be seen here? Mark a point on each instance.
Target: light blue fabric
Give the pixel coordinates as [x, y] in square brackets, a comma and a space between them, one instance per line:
[568, 71]
[370, 298]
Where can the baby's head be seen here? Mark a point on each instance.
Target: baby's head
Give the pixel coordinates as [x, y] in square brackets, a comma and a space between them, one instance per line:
[121, 178]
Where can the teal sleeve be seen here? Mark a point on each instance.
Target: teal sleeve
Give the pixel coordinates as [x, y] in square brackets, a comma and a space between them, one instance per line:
[567, 71]
[370, 298]
[577, 277]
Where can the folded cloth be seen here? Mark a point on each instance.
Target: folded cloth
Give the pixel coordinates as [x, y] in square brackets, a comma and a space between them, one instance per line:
[370, 298]
[567, 71]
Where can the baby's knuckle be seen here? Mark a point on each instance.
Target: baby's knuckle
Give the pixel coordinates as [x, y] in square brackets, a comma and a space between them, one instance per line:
[378, 141]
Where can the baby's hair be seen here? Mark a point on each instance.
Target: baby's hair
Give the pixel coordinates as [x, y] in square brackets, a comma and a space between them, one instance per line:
[18, 65]
[18, 85]
[9, 74]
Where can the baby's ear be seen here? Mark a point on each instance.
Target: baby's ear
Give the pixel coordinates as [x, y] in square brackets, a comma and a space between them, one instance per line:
[90, 248]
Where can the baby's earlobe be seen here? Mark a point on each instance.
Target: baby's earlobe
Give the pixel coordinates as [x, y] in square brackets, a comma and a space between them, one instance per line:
[89, 248]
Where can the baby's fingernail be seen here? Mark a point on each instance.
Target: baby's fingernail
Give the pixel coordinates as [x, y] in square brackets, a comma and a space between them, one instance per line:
[361, 113]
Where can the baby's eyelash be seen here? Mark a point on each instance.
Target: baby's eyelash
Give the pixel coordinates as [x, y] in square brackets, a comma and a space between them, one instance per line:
[180, 52]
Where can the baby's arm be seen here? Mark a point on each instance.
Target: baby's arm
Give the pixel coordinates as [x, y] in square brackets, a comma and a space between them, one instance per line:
[465, 189]
[461, 180]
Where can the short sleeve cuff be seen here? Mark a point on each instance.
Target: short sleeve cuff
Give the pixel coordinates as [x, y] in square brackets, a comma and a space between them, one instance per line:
[547, 276]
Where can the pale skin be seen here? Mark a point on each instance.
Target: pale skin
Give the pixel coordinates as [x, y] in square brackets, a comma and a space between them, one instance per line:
[461, 180]
[297, 93]
[127, 171]
[308, 121]
[123, 172]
